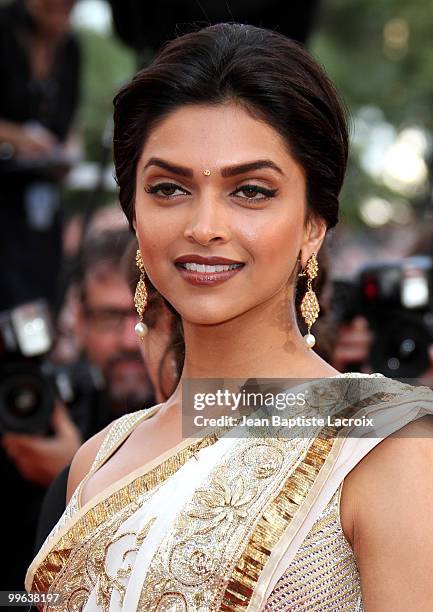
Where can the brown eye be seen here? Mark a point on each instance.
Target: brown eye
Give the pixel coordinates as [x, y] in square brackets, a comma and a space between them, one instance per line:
[249, 192]
[254, 192]
[166, 190]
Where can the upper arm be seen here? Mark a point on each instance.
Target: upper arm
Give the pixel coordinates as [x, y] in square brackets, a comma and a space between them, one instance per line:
[83, 460]
[393, 521]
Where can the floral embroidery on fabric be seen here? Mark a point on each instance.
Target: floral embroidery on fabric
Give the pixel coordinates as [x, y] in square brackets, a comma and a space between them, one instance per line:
[212, 553]
[196, 556]
[224, 502]
[106, 583]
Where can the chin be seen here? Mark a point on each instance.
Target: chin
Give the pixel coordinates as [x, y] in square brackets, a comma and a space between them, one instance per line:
[206, 310]
[211, 318]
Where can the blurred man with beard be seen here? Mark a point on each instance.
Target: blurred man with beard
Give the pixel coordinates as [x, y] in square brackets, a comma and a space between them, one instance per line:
[105, 328]
[110, 379]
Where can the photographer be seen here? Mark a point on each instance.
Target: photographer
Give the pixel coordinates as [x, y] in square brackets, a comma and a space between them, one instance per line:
[109, 380]
[29, 462]
[105, 322]
[406, 341]
[161, 349]
[39, 71]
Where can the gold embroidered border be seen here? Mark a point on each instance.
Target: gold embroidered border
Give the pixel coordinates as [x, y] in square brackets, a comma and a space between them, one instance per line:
[280, 512]
[272, 524]
[244, 578]
[95, 516]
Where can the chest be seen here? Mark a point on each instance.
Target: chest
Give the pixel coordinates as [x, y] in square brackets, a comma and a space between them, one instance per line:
[149, 441]
[322, 576]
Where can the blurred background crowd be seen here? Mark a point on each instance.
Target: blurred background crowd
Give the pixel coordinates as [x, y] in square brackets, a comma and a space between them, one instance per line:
[70, 361]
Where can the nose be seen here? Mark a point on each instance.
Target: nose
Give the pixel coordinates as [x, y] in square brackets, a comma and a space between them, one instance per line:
[208, 222]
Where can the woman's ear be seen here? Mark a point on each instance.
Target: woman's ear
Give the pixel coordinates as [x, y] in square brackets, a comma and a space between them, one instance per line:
[133, 221]
[315, 232]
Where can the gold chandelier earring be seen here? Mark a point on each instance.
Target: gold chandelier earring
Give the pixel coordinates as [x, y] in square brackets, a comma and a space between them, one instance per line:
[310, 306]
[140, 298]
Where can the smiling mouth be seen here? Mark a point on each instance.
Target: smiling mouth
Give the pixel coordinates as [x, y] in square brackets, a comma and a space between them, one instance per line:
[203, 268]
[202, 274]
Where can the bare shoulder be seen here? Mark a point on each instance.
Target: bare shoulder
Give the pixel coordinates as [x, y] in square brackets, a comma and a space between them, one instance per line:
[83, 460]
[397, 456]
[402, 459]
[390, 496]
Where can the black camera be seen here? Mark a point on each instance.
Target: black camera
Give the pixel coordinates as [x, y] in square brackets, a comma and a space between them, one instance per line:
[397, 300]
[29, 383]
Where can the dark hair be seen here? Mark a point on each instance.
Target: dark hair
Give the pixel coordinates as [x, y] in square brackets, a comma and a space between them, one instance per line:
[271, 76]
[104, 249]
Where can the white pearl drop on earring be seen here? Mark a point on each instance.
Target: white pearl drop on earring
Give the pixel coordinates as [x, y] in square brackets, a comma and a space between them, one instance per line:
[141, 329]
[309, 340]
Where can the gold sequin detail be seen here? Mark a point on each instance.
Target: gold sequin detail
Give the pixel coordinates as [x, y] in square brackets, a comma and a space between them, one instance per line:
[115, 435]
[310, 307]
[99, 518]
[198, 554]
[197, 567]
[323, 574]
[273, 522]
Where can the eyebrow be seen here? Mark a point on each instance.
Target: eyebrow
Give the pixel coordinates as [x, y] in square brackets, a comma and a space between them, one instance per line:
[225, 172]
[249, 166]
[180, 170]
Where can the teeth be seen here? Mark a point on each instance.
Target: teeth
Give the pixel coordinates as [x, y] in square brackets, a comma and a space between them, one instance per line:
[194, 267]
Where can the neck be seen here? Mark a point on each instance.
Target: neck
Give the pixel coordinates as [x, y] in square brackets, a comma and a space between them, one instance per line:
[264, 342]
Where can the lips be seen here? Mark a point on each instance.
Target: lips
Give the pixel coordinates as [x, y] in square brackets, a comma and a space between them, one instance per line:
[205, 268]
[201, 278]
[199, 272]
[210, 261]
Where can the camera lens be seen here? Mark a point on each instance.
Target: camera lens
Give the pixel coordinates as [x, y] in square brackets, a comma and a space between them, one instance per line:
[26, 399]
[22, 399]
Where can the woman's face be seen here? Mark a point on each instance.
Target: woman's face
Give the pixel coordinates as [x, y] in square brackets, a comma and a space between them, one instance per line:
[249, 209]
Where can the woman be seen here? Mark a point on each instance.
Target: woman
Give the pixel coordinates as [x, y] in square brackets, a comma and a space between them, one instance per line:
[233, 145]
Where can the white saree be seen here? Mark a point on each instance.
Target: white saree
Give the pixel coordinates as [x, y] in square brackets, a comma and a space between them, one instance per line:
[226, 522]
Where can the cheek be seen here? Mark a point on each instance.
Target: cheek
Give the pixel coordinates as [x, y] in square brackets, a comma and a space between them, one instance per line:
[155, 236]
[274, 243]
